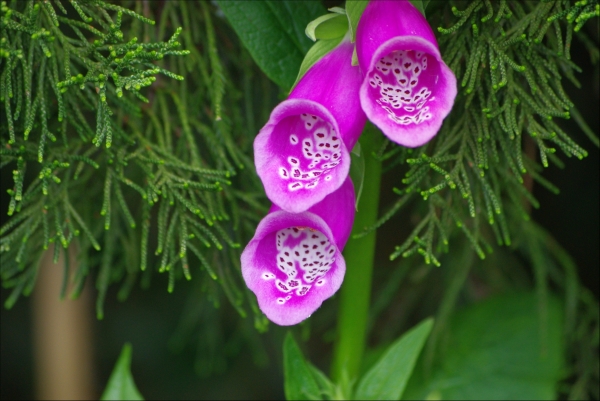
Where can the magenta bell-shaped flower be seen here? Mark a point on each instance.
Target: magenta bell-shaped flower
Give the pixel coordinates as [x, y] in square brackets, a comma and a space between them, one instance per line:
[407, 90]
[302, 153]
[294, 262]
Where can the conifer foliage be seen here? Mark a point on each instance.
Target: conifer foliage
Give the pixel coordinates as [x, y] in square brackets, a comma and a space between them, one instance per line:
[137, 179]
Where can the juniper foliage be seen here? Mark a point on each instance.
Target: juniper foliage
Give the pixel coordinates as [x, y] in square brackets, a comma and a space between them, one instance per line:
[132, 176]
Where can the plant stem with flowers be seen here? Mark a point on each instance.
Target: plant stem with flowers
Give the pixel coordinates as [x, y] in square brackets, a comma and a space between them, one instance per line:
[355, 294]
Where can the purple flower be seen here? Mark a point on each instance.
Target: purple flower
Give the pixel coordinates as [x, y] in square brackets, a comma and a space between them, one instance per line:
[294, 262]
[302, 153]
[407, 90]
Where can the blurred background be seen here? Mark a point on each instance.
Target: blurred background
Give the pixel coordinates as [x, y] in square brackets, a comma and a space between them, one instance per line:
[184, 348]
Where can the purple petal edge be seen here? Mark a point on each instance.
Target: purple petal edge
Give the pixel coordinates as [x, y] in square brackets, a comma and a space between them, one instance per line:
[445, 91]
[407, 104]
[262, 275]
[271, 155]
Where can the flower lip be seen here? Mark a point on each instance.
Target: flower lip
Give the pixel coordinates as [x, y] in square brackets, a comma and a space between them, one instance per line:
[408, 90]
[292, 265]
[294, 262]
[300, 155]
[409, 97]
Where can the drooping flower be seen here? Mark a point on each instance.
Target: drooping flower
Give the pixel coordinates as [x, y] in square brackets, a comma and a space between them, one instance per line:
[407, 90]
[302, 153]
[294, 262]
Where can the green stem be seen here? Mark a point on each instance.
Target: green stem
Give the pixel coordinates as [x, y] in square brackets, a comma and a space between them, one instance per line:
[359, 255]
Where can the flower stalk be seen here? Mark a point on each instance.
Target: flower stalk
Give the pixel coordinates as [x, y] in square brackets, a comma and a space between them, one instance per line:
[359, 256]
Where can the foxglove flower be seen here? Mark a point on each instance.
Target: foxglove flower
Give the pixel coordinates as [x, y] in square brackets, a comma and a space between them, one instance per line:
[294, 262]
[407, 90]
[302, 153]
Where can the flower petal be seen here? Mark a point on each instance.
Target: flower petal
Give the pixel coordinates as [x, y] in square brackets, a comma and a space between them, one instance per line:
[334, 82]
[294, 262]
[408, 90]
[301, 154]
[292, 265]
[337, 210]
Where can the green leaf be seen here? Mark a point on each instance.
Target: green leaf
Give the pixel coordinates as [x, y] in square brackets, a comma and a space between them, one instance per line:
[507, 347]
[387, 379]
[420, 5]
[354, 10]
[120, 385]
[328, 26]
[319, 49]
[327, 388]
[337, 10]
[273, 33]
[299, 382]
[357, 171]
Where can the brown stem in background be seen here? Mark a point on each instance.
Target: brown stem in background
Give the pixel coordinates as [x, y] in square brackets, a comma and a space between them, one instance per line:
[62, 337]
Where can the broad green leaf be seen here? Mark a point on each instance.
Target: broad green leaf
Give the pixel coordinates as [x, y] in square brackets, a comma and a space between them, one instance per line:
[273, 33]
[299, 382]
[319, 49]
[120, 384]
[387, 379]
[328, 26]
[354, 10]
[420, 5]
[357, 171]
[327, 388]
[508, 347]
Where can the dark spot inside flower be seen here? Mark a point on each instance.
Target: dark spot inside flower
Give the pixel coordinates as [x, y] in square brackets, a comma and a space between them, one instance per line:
[295, 229]
[314, 117]
[416, 70]
[314, 247]
[281, 259]
[397, 70]
[289, 263]
[406, 65]
[403, 81]
[413, 83]
[384, 69]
